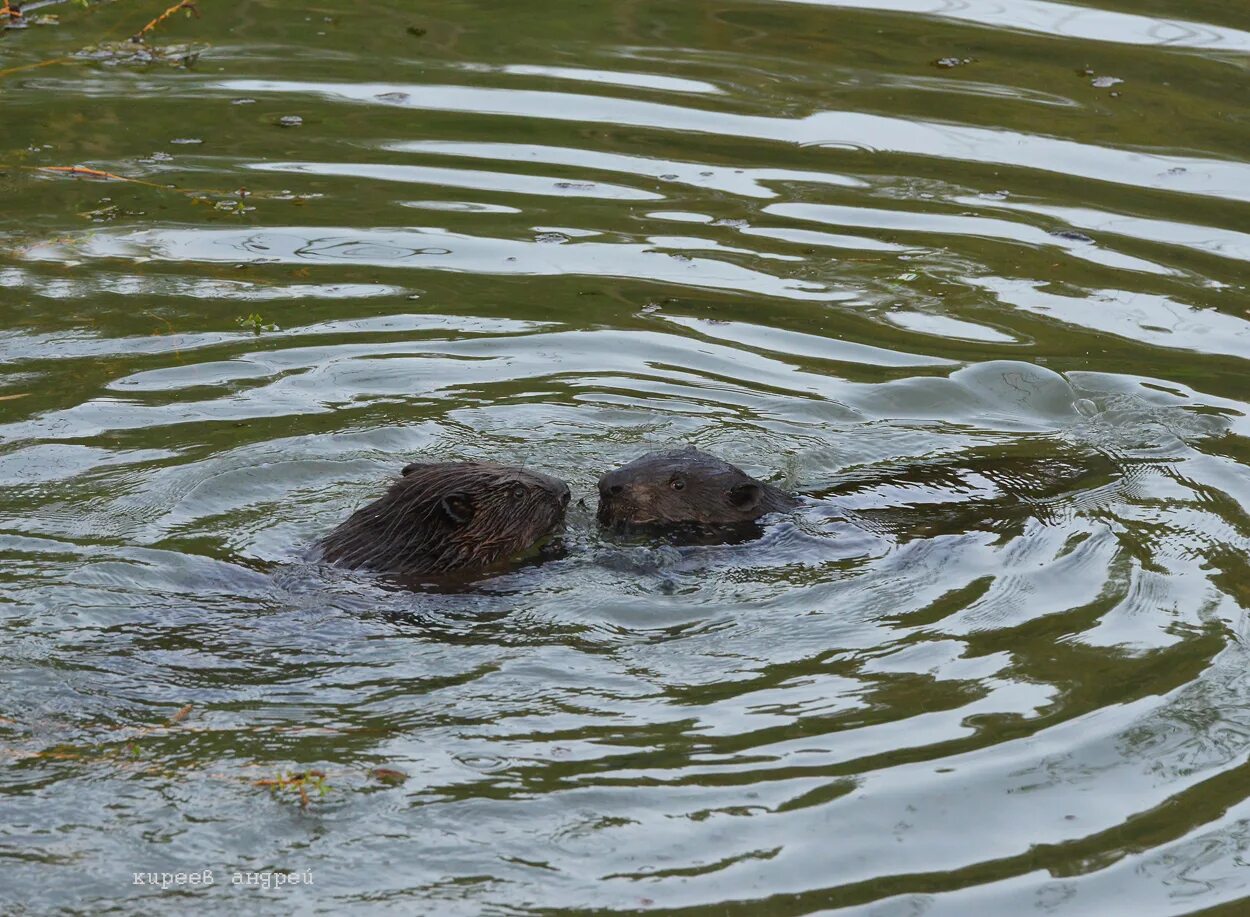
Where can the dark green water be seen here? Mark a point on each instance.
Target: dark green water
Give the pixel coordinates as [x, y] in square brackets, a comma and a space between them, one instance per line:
[994, 314]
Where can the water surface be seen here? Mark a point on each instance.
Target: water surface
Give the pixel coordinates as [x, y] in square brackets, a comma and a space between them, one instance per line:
[971, 276]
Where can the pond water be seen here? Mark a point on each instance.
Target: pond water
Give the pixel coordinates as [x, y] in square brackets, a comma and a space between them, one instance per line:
[971, 276]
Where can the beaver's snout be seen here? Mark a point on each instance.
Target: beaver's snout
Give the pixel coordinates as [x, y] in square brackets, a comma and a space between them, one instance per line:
[612, 484]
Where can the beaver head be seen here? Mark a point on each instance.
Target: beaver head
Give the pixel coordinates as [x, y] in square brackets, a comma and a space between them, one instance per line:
[450, 517]
[685, 487]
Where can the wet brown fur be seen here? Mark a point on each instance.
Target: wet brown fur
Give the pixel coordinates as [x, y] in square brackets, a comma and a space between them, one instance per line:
[452, 517]
[685, 487]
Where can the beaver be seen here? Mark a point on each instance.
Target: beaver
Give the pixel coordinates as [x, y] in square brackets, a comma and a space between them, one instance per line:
[449, 518]
[685, 488]
[686, 493]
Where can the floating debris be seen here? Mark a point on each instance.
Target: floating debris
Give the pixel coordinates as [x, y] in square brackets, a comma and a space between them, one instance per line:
[290, 121]
[299, 782]
[114, 53]
[232, 205]
[949, 63]
[1071, 235]
[104, 214]
[11, 15]
[255, 323]
[87, 173]
[188, 5]
[1098, 82]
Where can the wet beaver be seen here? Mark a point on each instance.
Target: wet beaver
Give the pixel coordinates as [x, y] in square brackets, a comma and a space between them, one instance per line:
[685, 488]
[451, 517]
[687, 492]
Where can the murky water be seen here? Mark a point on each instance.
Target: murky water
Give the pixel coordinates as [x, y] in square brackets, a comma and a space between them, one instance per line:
[970, 275]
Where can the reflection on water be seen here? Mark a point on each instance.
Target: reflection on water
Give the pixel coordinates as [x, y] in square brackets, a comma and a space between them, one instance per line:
[988, 318]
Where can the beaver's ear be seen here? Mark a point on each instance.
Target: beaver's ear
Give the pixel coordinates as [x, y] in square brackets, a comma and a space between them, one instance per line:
[746, 495]
[457, 507]
[413, 466]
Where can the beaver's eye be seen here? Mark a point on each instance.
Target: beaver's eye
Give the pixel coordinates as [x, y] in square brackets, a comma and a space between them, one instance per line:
[677, 484]
[518, 492]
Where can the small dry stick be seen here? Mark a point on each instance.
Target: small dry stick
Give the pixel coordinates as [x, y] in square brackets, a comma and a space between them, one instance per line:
[299, 781]
[188, 5]
[83, 170]
[7, 11]
[43, 63]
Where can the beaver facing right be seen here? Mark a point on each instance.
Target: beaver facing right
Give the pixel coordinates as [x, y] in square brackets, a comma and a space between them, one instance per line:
[685, 488]
[449, 518]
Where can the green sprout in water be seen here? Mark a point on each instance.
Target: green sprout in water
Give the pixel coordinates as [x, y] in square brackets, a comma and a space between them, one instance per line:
[255, 322]
[234, 206]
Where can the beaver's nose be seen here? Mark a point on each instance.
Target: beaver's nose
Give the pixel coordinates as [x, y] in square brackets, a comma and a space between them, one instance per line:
[610, 485]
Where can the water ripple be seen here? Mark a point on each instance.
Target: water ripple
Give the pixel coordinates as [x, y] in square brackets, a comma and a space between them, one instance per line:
[963, 275]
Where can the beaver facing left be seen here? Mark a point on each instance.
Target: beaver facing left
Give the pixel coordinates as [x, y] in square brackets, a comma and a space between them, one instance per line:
[449, 518]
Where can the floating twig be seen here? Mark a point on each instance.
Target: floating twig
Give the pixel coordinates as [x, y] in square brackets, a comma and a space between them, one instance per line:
[297, 782]
[36, 66]
[13, 13]
[188, 5]
[91, 173]
[231, 201]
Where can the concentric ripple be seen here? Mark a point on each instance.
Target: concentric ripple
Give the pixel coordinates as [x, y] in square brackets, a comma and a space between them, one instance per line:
[969, 276]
